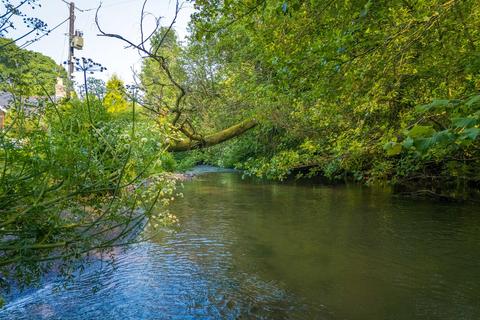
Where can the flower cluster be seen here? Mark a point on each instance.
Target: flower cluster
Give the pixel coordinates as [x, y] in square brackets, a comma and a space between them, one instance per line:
[88, 65]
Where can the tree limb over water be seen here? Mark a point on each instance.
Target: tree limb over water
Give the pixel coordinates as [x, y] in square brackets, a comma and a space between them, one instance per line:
[150, 48]
[213, 139]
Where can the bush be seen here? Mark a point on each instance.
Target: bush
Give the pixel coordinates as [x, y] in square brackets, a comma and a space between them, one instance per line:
[76, 180]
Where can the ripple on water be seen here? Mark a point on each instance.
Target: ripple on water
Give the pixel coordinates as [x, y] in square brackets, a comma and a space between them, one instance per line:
[250, 250]
[156, 282]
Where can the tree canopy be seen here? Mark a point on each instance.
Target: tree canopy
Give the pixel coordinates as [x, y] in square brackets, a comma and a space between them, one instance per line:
[28, 73]
[115, 99]
[337, 87]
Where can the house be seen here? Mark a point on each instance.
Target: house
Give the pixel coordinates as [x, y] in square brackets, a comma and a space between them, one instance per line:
[60, 90]
[5, 100]
[31, 107]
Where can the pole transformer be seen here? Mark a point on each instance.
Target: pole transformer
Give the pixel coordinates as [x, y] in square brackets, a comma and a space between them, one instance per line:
[71, 33]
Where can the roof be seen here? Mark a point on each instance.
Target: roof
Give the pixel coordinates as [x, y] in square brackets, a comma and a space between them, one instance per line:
[31, 105]
[5, 99]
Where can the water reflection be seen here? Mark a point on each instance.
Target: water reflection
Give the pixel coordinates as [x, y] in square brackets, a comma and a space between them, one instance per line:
[247, 249]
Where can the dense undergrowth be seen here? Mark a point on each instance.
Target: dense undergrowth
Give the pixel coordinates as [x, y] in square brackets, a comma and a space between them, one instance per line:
[77, 181]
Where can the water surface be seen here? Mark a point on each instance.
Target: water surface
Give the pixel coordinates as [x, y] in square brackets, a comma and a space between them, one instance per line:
[254, 250]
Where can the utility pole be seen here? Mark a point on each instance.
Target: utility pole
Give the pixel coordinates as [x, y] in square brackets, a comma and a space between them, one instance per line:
[75, 41]
[71, 33]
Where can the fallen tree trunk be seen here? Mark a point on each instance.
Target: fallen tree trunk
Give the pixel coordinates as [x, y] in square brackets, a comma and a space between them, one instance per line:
[213, 139]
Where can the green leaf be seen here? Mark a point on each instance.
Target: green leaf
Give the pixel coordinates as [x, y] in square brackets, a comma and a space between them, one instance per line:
[392, 148]
[464, 122]
[420, 131]
[435, 104]
[423, 144]
[471, 133]
[473, 101]
[407, 143]
[444, 136]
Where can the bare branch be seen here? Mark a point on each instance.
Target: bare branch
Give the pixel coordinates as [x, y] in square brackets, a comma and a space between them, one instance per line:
[193, 139]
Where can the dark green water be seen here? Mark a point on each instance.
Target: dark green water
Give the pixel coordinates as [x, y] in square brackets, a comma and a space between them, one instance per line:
[247, 250]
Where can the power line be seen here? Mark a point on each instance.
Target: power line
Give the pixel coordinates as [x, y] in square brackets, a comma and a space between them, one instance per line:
[81, 10]
[63, 50]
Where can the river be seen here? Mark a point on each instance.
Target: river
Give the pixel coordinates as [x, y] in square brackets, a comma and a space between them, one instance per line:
[246, 249]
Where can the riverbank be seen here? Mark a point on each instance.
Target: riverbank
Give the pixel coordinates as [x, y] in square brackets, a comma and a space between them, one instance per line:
[415, 188]
[197, 170]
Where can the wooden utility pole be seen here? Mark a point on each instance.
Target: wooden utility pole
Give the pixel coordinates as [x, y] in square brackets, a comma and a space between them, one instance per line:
[71, 33]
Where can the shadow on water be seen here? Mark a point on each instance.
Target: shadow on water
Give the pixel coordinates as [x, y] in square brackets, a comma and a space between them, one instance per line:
[247, 249]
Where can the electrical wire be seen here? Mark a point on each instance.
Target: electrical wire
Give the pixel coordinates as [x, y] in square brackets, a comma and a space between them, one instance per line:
[81, 10]
[65, 38]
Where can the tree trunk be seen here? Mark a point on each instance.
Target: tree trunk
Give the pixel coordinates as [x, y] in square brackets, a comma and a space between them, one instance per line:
[213, 139]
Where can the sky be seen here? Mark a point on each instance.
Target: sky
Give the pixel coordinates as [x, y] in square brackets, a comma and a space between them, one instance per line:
[116, 16]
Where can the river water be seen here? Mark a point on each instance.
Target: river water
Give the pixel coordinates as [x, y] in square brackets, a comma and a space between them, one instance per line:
[246, 249]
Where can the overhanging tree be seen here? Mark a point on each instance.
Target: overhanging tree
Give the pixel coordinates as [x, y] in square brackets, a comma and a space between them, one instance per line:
[168, 102]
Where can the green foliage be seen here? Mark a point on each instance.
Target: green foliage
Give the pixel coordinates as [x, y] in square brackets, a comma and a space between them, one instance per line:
[335, 86]
[28, 73]
[115, 99]
[160, 92]
[95, 87]
[76, 181]
[454, 128]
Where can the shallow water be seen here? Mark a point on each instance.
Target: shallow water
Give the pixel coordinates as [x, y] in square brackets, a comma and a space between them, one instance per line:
[254, 250]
